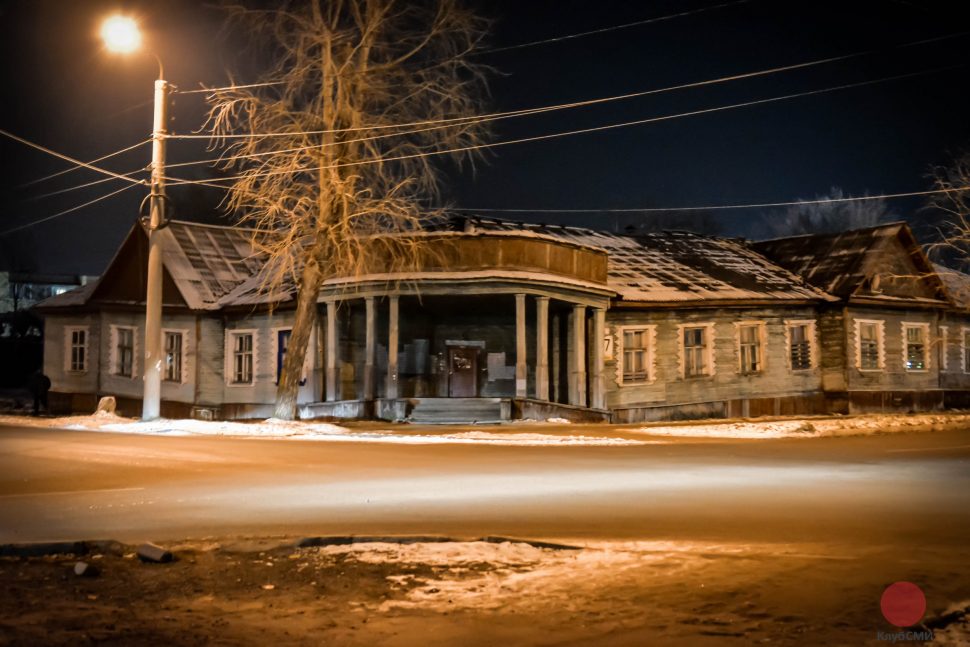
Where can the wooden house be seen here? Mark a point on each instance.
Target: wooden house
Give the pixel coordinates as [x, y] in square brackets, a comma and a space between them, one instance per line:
[502, 320]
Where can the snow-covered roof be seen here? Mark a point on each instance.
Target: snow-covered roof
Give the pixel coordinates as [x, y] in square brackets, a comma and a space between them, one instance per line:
[674, 266]
[957, 285]
[844, 263]
[206, 261]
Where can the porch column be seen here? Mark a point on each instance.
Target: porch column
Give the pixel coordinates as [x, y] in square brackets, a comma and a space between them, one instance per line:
[392, 342]
[370, 349]
[333, 371]
[542, 348]
[521, 372]
[597, 393]
[577, 372]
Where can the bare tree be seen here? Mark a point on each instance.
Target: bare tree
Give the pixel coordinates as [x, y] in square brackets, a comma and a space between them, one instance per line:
[953, 205]
[820, 217]
[334, 162]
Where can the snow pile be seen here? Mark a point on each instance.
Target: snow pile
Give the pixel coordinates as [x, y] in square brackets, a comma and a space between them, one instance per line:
[813, 427]
[302, 430]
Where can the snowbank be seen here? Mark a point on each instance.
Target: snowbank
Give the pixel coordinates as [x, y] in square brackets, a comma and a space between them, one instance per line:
[300, 430]
[813, 427]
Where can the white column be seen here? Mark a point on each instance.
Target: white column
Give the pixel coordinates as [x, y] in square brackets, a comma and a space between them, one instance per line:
[333, 370]
[392, 343]
[542, 348]
[597, 393]
[577, 372]
[370, 349]
[521, 371]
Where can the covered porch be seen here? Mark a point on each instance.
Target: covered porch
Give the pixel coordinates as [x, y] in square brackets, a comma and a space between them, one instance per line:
[463, 352]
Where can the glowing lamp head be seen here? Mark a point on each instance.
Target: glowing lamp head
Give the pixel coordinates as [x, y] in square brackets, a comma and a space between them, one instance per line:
[120, 34]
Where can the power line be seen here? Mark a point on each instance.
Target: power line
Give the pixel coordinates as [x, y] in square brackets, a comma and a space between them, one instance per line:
[492, 50]
[81, 186]
[563, 106]
[79, 163]
[884, 196]
[580, 131]
[593, 32]
[66, 211]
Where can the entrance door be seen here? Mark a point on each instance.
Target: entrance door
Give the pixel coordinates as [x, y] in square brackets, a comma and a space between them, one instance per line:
[462, 372]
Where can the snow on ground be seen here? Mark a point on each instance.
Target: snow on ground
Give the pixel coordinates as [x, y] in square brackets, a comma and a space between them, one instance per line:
[300, 430]
[558, 433]
[812, 427]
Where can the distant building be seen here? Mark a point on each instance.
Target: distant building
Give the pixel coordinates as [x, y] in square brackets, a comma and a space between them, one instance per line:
[509, 320]
[21, 291]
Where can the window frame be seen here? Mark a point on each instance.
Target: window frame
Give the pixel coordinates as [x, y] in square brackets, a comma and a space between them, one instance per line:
[69, 346]
[650, 365]
[964, 356]
[278, 361]
[944, 348]
[880, 326]
[810, 337]
[183, 355]
[709, 341]
[230, 353]
[905, 327]
[115, 355]
[762, 345]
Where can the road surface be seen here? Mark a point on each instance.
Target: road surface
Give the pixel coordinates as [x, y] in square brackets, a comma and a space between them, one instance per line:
[911, 489]
[695, 542]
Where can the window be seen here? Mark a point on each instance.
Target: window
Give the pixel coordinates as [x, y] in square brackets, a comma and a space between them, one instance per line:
[636, 354]
[242, 358]
[750, 351]
[77, 349]
[800, 335]
[966, 345]
[124, 351]
[944, 347]
[869, 339]
[173, 357]
[915, 336]
[696, 350]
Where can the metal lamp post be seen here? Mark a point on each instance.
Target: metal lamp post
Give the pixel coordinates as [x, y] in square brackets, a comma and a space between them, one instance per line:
[121, 34]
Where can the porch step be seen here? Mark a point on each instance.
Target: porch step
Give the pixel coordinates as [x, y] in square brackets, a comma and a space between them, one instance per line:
[458, 410]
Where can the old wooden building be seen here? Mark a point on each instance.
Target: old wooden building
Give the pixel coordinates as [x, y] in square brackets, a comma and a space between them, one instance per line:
[504, 320]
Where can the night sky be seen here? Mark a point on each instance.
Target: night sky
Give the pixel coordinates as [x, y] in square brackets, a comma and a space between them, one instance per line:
[63, 91]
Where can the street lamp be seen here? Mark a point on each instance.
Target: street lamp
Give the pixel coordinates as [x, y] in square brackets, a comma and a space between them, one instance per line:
[121, 34]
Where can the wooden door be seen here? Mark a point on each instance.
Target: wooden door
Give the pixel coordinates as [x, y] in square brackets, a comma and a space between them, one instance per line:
[462, 372]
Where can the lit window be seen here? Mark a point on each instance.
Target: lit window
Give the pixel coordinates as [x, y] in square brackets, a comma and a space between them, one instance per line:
[124, 351]
[636, 355]
[242, 358]
[173, 357]
[800, 346]
[915, 340]
[749, 348]
[868, 345]
[78, 346]
[696, 351]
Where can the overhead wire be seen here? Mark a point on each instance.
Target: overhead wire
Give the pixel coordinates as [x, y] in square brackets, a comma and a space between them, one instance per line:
[542, 109]
[757, 205]
[66, 211]
[492, 50]
[580, 131]
[79, 163]
[83, 186]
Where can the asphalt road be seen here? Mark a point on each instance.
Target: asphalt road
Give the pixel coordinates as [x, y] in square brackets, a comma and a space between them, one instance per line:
[911, 491]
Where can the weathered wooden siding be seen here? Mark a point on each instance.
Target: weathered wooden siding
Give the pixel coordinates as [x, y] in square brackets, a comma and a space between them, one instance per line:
[893, 376]
[56, 349]
[263, 388]
[710, 395]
